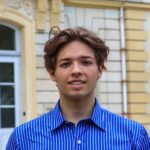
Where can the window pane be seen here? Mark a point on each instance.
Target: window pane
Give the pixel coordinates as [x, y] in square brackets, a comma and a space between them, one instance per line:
[7, 38]
[6, 95]
[6, 72]
[7, 117]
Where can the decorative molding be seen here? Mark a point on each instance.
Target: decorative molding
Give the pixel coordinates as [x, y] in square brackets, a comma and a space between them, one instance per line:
[93, 3]
[143, 6]
[27, 29]
[2, 2]
[23, 6]
[42, 6]
[53, 31]
[41, 21]
[104, 4]
[55, 12]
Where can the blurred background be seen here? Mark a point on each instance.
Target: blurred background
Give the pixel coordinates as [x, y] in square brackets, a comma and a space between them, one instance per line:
[26, 90]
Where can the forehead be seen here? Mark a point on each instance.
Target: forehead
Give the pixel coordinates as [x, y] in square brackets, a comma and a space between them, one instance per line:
[76, 49]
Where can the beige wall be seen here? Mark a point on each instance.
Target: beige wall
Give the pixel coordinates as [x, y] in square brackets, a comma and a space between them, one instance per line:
[16, 14]
[137, 58]
[105, 21]
[103, 18]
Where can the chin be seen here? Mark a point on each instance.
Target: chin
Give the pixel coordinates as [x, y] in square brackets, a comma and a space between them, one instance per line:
[77, 96]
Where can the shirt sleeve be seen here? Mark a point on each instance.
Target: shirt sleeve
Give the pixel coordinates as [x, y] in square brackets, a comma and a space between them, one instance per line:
[143, 140]
[12, 142]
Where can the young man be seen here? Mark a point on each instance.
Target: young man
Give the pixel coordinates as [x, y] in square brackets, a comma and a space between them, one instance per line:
[75, 59]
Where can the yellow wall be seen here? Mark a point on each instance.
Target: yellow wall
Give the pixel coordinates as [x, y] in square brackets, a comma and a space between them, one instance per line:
[137, 76]
[27, 30]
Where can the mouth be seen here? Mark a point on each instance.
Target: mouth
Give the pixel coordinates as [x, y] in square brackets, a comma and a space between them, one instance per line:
[76, 82]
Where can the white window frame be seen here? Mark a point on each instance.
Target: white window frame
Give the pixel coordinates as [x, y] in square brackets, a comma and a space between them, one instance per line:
[9, 56]
[16, 52]
[17, 88]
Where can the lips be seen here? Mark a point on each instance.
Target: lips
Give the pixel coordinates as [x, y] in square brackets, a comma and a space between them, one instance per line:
[76, 82]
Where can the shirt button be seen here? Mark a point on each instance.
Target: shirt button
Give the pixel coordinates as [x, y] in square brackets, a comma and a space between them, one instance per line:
[79, 141]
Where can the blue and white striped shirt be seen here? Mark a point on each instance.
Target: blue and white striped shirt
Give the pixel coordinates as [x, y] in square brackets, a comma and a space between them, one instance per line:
[102, 131]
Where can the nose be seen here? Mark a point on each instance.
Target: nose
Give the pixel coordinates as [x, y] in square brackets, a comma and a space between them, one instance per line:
[76, 70]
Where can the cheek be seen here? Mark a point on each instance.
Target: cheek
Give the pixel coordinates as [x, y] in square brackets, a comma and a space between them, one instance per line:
[61, 77]
[96, 76]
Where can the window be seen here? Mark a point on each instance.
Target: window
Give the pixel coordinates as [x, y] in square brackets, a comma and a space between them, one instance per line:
[7, 99]
[22, 59]
[7, 38]
[10, 85]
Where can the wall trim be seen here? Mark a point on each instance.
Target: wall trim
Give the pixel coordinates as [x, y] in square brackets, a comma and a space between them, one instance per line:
[104, 4]
[42, 6]
[27, 29]
[55, 12]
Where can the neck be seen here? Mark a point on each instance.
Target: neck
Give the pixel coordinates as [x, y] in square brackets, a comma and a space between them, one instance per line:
[77, 109]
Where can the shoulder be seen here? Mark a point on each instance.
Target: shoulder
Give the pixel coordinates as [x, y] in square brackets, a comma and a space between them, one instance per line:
[124, 127]
[119, 120]
[31, 131]
[38, 125]
[26, 132]
[115, 122]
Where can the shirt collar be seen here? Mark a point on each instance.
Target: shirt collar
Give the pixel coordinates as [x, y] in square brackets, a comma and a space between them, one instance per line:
[97, 116]
[56, 117]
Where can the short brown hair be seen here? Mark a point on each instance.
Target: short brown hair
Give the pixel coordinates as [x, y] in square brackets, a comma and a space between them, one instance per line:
[66, 36]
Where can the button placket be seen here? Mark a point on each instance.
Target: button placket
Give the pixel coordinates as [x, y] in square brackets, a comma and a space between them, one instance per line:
[79, 142]
[80, 130]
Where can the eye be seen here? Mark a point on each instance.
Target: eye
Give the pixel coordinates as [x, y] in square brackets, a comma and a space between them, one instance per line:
[65, 64]
[86, 62]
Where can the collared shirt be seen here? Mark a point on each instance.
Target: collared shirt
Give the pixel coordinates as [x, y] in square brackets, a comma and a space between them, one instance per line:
[102, 131]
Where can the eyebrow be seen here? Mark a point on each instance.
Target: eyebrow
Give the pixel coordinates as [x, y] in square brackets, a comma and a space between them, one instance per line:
[82, 57]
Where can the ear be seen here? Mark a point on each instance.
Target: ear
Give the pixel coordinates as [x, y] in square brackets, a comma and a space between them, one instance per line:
[52, 74]
[100, 71]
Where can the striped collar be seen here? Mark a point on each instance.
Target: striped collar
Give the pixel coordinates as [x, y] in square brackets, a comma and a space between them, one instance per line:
[98, 117]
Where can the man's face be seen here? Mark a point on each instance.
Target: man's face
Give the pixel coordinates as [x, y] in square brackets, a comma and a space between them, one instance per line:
[76, 71]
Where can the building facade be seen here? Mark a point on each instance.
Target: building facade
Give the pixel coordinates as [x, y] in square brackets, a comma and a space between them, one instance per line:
[26, 90]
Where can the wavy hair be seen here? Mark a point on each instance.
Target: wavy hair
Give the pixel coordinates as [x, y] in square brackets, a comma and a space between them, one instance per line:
[54, 45]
